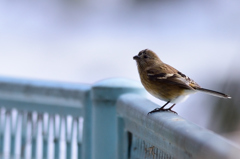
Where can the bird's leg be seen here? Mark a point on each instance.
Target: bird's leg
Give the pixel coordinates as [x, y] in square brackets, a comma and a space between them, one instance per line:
[159, 109]
[170, 109]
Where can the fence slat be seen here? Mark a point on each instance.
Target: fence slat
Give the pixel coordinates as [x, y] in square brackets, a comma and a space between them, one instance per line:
[45, 134]
[34, 131]
[67, 138]
[5, 136]
[24, 134]
[57, 136]
[14, 126]
[79, 141]
[2, 122]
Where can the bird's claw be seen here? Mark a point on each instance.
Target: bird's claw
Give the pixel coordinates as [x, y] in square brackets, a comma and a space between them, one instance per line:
[161, 110]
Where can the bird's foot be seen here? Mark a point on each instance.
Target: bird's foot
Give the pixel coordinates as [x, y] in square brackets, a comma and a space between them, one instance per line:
[161, 110]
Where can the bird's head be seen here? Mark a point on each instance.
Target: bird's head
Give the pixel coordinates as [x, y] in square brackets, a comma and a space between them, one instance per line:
[146, 58]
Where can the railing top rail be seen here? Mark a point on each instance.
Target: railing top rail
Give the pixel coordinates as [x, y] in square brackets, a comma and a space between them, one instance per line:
[55, 97]
[171, 133]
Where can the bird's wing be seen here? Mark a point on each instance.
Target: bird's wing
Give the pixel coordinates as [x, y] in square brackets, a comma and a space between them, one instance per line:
[170, 75]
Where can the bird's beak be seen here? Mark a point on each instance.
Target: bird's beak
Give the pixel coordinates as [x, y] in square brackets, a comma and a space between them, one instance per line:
[136, 57]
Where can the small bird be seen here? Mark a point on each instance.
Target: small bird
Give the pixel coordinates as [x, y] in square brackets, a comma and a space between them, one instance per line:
[165, 82]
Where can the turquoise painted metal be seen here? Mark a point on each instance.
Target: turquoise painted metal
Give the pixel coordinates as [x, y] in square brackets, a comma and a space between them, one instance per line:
[165, 134]
[104, 129]
[105, 120]
[32, 99]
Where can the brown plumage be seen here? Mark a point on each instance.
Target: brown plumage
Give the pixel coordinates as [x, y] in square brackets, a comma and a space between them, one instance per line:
[165, 82]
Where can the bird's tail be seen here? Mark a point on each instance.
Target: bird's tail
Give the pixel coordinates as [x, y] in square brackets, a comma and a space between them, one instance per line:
[214, 93]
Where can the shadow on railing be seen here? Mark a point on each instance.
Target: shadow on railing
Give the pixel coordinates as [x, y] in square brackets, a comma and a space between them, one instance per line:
[41, 119]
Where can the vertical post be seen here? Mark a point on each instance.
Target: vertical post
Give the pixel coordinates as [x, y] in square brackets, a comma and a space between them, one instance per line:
[123, 137]
[104, 95]
[84, 139]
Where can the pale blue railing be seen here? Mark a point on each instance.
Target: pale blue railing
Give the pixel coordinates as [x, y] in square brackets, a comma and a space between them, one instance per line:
[106, 120]
[46, 106]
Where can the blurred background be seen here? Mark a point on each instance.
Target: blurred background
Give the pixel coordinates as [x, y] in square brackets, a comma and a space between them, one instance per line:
[85, 41]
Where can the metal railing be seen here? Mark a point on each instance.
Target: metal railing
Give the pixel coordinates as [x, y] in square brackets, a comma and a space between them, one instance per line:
[165, 134]
[106, 120]
[37, 115]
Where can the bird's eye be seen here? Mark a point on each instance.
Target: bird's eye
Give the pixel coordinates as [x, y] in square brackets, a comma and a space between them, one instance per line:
[145, 56]
[140, 54]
